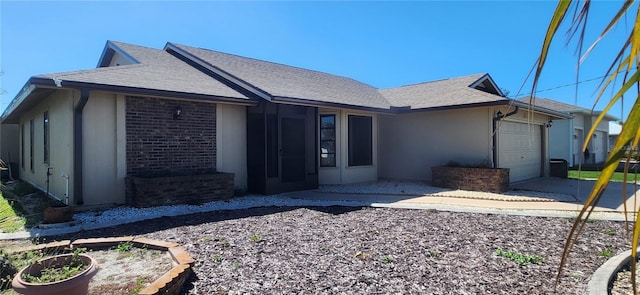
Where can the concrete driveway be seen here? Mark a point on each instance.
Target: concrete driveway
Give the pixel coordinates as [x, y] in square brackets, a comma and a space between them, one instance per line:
[548, 196]
[613, 198]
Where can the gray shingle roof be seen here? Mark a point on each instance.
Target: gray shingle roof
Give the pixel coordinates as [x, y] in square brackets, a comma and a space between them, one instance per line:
[440, 93]
[284, 81]
[157, 70]
[555, 105]
[564, 107]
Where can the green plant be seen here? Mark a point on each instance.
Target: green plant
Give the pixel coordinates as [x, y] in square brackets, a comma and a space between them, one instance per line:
[139, 285]
[217, 258]
[124, 247]
[50, 273]
[433, 254]
[623, 71]
[610, 232]
[237, 264]
[7, 270]
[255, 238]
[606, 253]
[387, 259]
[224, 244]
[520, 259]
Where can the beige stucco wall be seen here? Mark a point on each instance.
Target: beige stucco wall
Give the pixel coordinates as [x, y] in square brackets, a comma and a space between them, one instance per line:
[60, 108]
[231, 142]
[9, 143]
[410, 144]
[342, 173]
[103, 139]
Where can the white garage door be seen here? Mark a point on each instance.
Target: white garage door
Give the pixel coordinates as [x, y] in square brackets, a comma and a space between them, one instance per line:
[520, 149]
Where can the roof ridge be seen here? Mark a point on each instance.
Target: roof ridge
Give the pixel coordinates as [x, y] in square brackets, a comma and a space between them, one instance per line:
[439, 80]
[273, 63]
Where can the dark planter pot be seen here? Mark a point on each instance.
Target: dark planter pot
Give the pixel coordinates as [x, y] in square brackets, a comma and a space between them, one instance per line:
[58, 214]
[76, 285]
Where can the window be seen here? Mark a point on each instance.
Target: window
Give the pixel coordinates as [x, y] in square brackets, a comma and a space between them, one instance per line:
[22, 134]
[31, 136]
[360, 141]
[46, 136]
[327, 140]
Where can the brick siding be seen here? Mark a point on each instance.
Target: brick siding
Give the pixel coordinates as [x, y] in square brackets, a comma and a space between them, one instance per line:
[158, 144]
[474, 179]
[171, 190]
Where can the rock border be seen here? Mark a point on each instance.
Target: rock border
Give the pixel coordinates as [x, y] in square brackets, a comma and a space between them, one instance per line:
[600, 280]
[168, 283]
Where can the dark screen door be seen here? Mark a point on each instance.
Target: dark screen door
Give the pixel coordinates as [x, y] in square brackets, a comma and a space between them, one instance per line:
[292, 144]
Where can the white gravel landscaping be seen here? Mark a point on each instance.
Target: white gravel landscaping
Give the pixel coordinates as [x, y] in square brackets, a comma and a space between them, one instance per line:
[90, 220]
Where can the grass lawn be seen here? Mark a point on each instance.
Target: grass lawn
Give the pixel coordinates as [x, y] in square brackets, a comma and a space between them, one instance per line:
[617, 176]
[19, 207]
[10, 220]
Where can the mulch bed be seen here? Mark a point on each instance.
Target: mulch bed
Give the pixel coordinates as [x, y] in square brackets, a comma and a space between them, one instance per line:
[340, 250]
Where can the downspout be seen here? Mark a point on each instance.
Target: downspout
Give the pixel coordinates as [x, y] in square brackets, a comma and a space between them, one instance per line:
[77, 146]
[499, 116]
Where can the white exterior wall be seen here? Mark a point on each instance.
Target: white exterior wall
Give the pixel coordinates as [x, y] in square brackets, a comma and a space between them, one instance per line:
[231, 142]
[412, 143]
[103, 140]
[561, 140]
[60, 108]
[342, 173]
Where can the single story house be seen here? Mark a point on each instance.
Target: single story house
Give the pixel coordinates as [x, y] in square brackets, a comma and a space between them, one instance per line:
[89, 135]
[567, 137]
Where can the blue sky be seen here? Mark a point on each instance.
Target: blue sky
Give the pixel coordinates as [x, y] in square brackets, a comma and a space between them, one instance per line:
[385, 44]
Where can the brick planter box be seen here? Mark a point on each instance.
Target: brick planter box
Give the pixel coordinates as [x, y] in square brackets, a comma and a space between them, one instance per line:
[495, 180]
[173, 190]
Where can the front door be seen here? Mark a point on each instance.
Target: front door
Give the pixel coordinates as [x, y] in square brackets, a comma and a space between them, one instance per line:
[292, 150]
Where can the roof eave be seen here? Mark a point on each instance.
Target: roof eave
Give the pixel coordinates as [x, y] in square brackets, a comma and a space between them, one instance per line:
[322, 104]
[546, 111]
[24, 93]
[110, 49]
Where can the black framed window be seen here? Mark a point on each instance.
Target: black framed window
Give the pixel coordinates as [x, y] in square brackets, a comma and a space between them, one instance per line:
[46, 136]
[31, 137]
[22, 135]
[327, 140]
[360, 140]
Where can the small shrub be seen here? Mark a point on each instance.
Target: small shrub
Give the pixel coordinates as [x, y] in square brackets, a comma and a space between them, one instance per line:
[610, 232]
[7, 271]
[124, 247]
[606, 253]
[255, 238]
[387, 259]
[217, 258]
[520, 259]
[224, 244]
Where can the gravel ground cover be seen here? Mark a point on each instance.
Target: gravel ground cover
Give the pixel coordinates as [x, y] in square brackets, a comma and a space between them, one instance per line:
[347, 250]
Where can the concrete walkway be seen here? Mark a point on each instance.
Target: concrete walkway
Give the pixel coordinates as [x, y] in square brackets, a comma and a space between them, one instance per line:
[522, 200]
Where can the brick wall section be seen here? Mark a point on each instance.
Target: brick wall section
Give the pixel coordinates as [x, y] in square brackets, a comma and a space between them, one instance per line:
[473, 179]
[171, 190]
[158, 144]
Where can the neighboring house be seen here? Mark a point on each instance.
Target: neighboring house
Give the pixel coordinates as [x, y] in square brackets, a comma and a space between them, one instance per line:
[567, 137]
[614, 131]
[277, 128]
